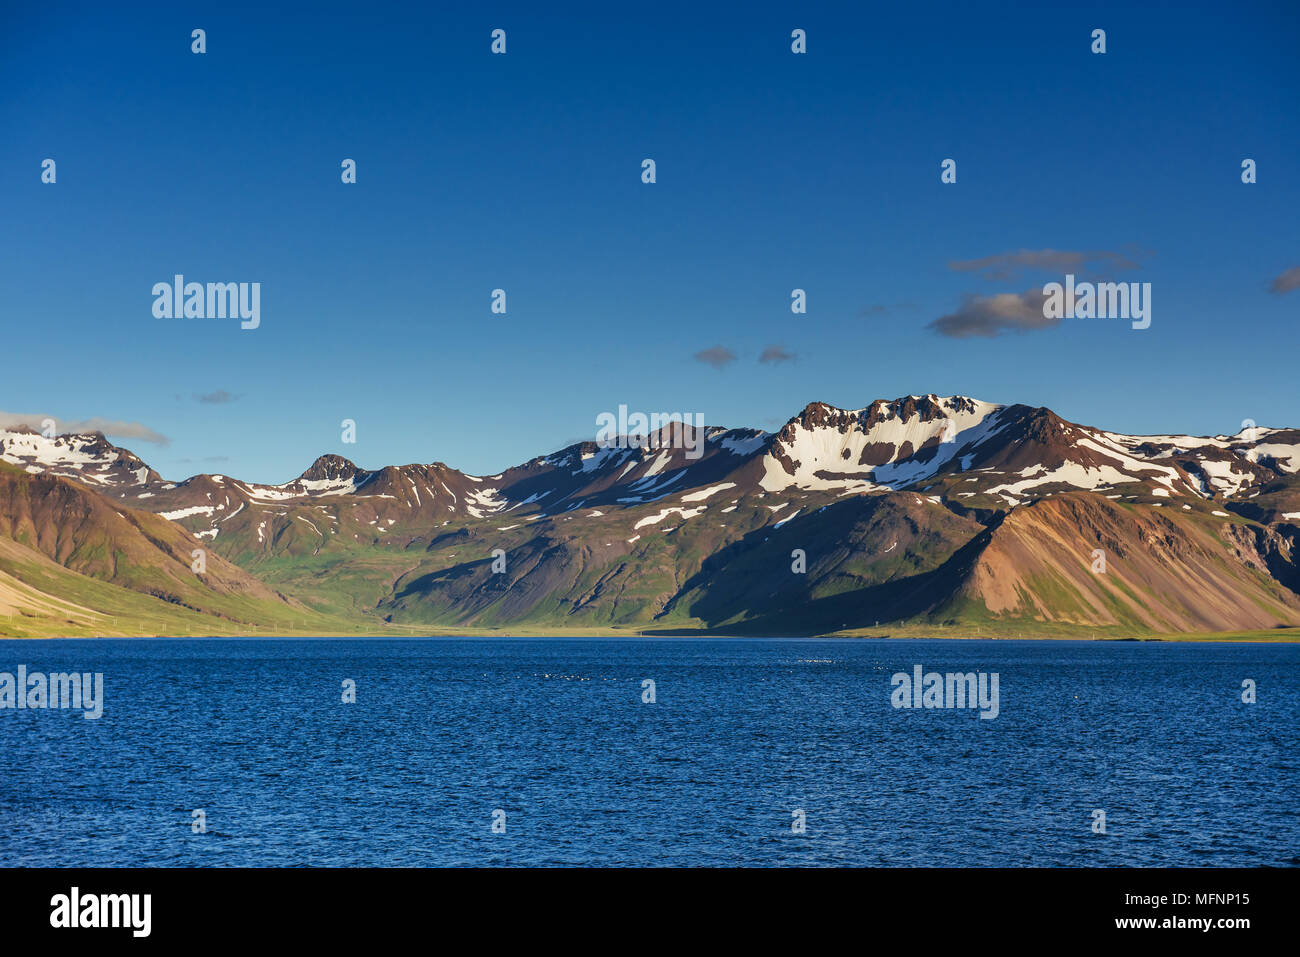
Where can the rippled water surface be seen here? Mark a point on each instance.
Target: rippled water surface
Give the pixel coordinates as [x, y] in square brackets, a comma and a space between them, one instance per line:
[554, 733]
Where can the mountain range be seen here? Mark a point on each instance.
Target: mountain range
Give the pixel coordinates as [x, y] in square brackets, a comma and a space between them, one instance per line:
[918, 515]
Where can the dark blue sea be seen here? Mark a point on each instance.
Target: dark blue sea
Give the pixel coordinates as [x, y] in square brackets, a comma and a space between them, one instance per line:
[552, 738]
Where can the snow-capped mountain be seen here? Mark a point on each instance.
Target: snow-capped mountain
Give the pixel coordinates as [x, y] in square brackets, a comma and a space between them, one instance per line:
[954, 448]
[1012, 452]
[925, 509]
[89, 458]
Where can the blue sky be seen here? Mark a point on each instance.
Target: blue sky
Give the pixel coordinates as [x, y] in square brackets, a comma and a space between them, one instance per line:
[523, 172]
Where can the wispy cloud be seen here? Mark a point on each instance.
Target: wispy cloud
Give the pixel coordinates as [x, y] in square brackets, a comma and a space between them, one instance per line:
[220, 397]
[1289, 281]
[717, 356]
[1009, 265]
[776, 354]
[112, 427]
[991, 316]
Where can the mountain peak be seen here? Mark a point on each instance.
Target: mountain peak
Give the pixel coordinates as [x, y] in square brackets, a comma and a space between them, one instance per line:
[330, 468]
[88, 456]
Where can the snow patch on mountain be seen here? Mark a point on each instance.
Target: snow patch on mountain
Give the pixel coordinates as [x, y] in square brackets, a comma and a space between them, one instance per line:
[706, 493]
[187, 512]
[656, 519]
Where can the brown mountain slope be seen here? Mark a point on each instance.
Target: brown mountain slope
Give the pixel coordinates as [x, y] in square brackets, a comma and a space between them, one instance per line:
[88, 534]
[22, 598]
[1165, 570]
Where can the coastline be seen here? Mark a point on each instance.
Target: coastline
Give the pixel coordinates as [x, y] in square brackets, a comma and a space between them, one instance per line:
[1272, 636]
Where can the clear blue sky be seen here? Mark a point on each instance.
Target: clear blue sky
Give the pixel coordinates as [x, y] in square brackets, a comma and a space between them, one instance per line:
[523, 171]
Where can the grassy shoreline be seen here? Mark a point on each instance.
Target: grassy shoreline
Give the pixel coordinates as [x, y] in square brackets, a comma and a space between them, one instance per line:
[949, 633]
